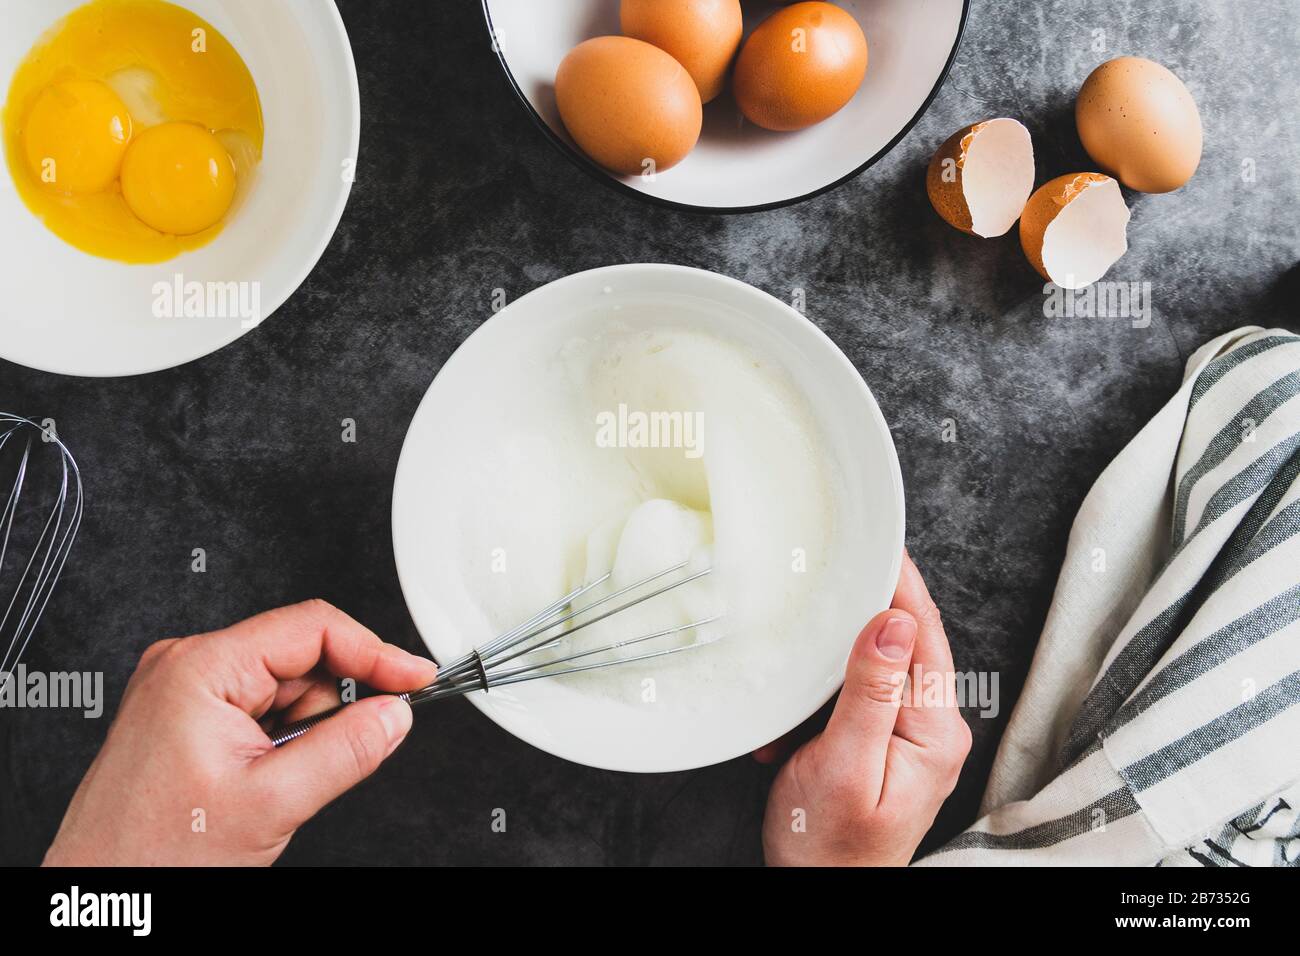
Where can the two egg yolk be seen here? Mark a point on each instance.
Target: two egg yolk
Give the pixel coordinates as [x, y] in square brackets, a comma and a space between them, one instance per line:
[176, 177]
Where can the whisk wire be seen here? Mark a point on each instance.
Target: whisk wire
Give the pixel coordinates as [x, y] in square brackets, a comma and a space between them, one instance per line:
[557, 638]
[32, 591]
[544, 669]
[473, 658]
[541, 622]
[553, 667]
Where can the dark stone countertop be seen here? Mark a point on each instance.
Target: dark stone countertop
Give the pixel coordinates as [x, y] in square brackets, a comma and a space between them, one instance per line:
[457, 194]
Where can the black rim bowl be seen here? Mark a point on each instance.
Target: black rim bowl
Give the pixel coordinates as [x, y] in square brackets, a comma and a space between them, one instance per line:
[579, 159]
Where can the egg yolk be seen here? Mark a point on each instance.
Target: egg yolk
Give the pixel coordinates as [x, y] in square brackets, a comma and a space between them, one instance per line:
[75, 136]
[178, 178]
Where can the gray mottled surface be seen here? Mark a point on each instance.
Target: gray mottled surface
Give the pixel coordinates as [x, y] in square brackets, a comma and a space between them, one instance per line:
[457, 195]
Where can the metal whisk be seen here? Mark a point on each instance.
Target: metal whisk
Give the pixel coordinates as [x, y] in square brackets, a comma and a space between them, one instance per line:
[483, 668]
[24, 601]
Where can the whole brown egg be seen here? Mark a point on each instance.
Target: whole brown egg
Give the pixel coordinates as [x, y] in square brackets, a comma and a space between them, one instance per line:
[1140, 124]
[702, 35]
[628, 105]
[799, 66]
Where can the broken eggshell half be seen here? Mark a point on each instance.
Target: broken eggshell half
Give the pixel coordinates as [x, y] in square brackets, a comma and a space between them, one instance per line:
[980, 177]
[1074, 228]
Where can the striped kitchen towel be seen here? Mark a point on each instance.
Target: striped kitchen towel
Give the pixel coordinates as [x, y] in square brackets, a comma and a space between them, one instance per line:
[1160, 722]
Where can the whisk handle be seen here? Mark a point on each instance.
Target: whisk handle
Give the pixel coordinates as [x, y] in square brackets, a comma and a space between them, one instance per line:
[293, 731]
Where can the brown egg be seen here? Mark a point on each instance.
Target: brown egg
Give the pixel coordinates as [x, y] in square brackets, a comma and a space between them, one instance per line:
[628, 105]
[702, 35]
[799, 66]
[1140, 124]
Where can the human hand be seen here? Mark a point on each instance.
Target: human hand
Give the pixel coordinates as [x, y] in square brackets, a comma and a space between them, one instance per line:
[187, 775]
[867, 788]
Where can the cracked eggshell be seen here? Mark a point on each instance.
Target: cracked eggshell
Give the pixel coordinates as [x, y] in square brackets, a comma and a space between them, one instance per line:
[981, 177]
[1074, 228]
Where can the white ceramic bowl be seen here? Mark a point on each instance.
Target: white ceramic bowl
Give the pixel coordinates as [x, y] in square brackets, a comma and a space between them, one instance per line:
[63, 310]
[602, 731]
[736, 166]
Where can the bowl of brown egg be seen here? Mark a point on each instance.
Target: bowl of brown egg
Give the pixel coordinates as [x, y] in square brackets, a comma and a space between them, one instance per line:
[724, 105]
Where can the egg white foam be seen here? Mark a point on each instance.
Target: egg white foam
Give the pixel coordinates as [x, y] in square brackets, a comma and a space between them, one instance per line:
[555, 486]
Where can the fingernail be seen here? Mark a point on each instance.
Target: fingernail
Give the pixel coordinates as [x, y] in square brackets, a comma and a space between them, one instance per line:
[895, 639]
[400, 655]
[395, 715]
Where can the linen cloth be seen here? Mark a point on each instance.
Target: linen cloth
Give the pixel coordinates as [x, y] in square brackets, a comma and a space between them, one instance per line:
[1160, 721]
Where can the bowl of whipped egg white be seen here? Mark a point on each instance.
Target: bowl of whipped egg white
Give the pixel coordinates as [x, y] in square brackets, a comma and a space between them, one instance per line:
[173, 171]
[628, 419]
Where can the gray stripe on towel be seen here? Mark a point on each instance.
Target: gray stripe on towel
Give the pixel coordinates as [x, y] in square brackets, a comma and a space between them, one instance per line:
[1247, 482]
[1206, 739]
[1229, 438]
[1224, 644]
[1113, 806]
[1221, 366]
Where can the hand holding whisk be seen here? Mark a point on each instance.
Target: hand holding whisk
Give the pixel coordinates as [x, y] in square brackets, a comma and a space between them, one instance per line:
[484, 667]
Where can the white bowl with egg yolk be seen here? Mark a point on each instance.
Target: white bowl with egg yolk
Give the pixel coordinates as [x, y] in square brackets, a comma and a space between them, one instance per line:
[65, 311]
[454, 516]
